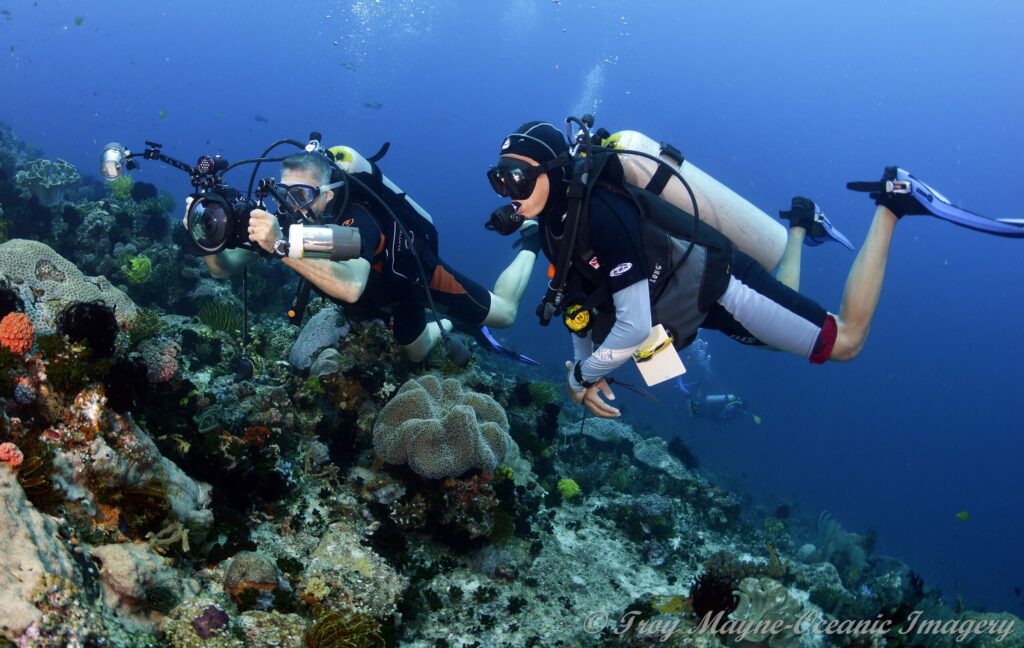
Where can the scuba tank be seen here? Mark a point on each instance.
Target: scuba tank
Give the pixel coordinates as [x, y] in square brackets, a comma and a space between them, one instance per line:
[751, 230]
[415, 233]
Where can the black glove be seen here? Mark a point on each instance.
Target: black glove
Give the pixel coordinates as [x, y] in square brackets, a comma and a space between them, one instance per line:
[800, 214]
[900, 204]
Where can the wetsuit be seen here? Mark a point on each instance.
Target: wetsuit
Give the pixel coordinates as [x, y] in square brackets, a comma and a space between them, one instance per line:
[400, 300]
[754, 308]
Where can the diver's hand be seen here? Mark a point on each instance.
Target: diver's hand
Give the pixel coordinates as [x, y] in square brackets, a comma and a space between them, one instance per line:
[590, 397]
[264, 230]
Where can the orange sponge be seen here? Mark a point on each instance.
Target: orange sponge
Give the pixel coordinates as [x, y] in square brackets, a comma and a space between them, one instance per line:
[16, 333]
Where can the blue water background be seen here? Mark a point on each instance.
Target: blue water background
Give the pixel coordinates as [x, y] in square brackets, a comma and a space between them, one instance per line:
[774, 99]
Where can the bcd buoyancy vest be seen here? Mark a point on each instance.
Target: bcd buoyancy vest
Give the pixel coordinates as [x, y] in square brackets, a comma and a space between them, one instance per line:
[687, 261]
[417, 236]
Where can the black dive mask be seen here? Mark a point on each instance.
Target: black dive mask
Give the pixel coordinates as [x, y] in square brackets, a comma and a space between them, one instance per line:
[505, 220]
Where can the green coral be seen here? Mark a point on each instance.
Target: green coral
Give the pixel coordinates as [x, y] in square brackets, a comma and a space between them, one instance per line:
[144, 325]
[138, 269]
[121, 187]
[504, 473]
[220, 316]
[542, 393]
[344, 630]
[568, 488]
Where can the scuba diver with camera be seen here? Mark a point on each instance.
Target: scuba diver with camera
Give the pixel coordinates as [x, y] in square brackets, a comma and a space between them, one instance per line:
[381, 260]
[641, 259]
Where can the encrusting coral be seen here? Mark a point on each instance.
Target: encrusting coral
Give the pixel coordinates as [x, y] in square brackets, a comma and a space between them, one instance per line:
[250, 571]
[440, 430]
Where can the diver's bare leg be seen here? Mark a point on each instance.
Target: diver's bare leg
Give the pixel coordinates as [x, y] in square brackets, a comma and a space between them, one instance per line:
[509, 289]
[863, 287]
[789, 266]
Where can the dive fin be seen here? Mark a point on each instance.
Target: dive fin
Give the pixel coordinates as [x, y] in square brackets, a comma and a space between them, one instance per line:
[912, 196]
[487, 341]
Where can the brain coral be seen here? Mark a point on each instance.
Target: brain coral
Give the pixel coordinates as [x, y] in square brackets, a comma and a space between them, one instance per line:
[16, 333]
[440, 430]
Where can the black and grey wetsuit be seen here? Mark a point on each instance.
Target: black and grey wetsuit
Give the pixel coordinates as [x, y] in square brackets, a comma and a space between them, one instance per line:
[745, 302]
[399, 299]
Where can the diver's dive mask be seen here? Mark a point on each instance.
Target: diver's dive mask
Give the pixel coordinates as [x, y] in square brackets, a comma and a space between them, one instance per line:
[515, 179]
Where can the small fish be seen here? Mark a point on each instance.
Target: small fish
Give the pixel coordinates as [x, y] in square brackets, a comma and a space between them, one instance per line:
[79, 20]
[757, 419]
[163, 115]
[217, 115]
[261, 119]
[349, 66]
[962, 516]
[12, 50]
[374, 105]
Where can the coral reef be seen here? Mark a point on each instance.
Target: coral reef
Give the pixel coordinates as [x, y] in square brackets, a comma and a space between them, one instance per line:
[149, 496]
[47, 282]
[763, 599]
[47, 181]
[121, 187]
[321, 331]
[138, 269]
[440, 430]
[16, 333]
[335, 629]
[250, 571]
[32, 552]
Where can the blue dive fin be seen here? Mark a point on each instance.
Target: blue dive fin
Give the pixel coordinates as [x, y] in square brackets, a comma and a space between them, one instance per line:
[899, 182]
[487, 341]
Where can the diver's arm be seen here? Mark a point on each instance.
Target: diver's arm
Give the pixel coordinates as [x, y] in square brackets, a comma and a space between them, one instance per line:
[229, 262]
[632, 326]
[581, 347]
[341, 280]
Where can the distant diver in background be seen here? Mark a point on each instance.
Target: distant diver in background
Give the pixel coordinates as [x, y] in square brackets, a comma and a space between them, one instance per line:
[382, 281]
[625, 259]
[715, 407]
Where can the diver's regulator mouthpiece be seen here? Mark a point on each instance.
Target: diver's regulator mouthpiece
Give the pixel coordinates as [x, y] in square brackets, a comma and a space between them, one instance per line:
[505, 220]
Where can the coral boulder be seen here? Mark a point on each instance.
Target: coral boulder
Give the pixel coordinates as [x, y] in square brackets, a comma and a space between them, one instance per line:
[440, 429]
[46, 283]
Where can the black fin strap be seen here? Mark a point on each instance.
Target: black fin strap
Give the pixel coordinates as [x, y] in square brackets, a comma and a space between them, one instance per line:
[379, 154]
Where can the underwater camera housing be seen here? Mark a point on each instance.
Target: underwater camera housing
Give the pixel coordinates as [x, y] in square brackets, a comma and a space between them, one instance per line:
[218, 220]
[217, 215]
